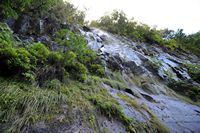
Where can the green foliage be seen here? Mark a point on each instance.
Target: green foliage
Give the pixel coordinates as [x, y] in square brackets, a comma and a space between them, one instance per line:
[194, 71]
[37, 62]
[109, 107]
[22, 105]
[39, 51]
[130, 101]
[88, 57]
[118, 23]
[115, 84]
[97, 70]
[70, 57]
[50, 72]
[192, 43]
[63, 11]
[29, 76]
[56, 58]
[15, 61]
[58, 11]
[187, 89]
[171, 44]
[54, 84]
[23, 58]
[6, 39]
[19, 60]
[154, 63]
[77, 70]
[76, 44]
[155, 124]
[73, 42]
[77, 56]
[10, 8]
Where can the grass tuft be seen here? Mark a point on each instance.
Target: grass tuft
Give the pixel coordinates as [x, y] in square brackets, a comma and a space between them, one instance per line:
[23, 105]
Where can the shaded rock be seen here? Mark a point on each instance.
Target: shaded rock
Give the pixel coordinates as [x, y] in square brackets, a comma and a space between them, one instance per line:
[22, 24]
[29, 40]
[181, 73]
[87, 29]
[10, 22]
[54, 46]
[114, 63]
[131, 65]
[151, 88]
[147, 97]
[129, 91]
[44, 39]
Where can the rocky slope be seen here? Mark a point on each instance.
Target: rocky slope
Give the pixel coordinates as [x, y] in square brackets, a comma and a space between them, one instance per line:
[145, 68]
[137, 81]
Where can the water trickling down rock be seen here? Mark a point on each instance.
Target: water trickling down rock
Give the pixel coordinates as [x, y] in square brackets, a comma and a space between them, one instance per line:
[130, 58]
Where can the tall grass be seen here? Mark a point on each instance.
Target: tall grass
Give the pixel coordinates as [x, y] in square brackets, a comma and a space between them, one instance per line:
[22, 105]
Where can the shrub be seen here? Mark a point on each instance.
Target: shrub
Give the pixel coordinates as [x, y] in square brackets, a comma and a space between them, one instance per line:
[80, 70]
[29, 76]
[50, 72]
[77, 70]
[194, 71]
[23, 59]
[88, 57]
[75, 43]
[77, 56]
[39, 51]
[14, 8]
[97, 70]
[56, 58]
[14, 61]
[70, 57]
[187, 89]
[6, 39]
[154, 37]
[171, 44]
[70, 40]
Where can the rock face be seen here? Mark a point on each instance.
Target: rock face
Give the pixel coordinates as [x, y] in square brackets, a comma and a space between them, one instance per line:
[145, 68]
[133, 57]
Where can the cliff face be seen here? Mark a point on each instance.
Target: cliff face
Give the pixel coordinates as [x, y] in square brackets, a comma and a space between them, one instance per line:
[148, 71]
[145, 88]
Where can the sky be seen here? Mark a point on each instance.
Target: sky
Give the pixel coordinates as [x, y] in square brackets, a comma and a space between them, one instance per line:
[171, 14]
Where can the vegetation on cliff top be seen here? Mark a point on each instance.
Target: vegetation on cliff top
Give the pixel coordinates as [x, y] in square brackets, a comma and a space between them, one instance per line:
[118, 23]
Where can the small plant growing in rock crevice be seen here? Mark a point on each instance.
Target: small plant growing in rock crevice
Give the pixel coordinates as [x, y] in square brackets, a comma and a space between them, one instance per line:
[109, 107]
[154, 63]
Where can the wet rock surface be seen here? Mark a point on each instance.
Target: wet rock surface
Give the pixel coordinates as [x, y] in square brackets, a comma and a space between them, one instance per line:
[177, 115]
[151, 67]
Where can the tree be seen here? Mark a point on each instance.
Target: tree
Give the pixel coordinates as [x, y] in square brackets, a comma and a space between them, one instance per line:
[12, 8]
[180, 36]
